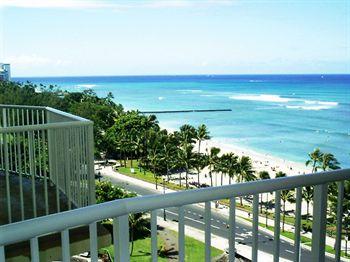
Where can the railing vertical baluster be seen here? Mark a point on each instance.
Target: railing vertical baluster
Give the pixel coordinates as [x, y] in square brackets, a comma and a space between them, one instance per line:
[121, 253]
[255, 234]
[319, 223]
[2, 253]
[31, 170]
[181, 237]
[297, 229]
[232, 229]
[65, 245]
[39, 145]
[8, 117]
[93, 242]
[56, 156]
[154, 244]
[7, 174]
[276, 235]
[90, 164]
[207, 221]
[337, 246]
[34, 249]
[20, 176]
[67, 159]
[14, 142]
[45, 172]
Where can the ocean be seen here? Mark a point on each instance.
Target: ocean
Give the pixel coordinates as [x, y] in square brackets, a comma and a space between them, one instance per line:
[286, 116]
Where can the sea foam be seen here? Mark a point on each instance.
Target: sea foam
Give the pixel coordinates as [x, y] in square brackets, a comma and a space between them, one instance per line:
[263, 98]
[86, 86]
[293, 103]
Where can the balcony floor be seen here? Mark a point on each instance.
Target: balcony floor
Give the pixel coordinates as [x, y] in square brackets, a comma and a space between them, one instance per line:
[28, 198]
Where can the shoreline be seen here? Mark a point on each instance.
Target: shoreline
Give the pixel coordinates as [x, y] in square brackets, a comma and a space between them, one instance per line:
[260, 161]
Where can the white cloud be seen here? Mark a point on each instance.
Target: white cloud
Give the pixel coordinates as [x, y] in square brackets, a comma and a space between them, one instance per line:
[35, 60]
[104, 4]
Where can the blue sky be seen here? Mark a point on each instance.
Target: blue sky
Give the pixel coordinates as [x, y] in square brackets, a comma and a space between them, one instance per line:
[69, 37]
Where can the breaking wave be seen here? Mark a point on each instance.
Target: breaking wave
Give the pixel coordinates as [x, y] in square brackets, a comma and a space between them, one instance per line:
[293, 103]
[86, 86]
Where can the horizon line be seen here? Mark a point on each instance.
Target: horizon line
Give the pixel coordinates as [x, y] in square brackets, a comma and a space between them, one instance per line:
[179, 75]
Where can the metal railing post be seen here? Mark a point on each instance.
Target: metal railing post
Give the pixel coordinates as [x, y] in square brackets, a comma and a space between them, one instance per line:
[276, 235]
[337, 245]
[319, 223]
[297, 251]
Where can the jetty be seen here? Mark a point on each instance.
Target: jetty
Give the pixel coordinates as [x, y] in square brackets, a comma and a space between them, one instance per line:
[185, 111]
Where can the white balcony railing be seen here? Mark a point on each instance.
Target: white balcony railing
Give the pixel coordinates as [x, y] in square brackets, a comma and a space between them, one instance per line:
[46, 162]
[119, 210]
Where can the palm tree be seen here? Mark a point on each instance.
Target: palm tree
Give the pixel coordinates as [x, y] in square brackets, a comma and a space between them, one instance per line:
[220, 167]
[187, 159]
[202, 134]
[315, 158]
[199, 163]
[137, 223]
[280, 174]
[308, 194]
[328, 162]
[286, 196]
[263, 175]
[245, 172]
[212, 161]
[230, 165]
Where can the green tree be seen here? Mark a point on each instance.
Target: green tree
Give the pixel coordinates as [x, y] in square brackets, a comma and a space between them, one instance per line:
[230, 165]
[202, 134]
[280, 174]
[308, 195]
[187, 159]
[286, 196]
[328, 162]
[263, 175]
[213, 158]
[314, 159]
[199, 163]
[245, 172]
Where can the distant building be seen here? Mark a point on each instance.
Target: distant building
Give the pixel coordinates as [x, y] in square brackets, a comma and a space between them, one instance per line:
[5, 72]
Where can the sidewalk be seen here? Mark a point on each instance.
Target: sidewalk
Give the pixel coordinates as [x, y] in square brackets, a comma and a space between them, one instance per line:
[218, 242]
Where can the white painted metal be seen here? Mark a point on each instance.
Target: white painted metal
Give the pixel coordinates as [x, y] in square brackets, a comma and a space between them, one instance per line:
[154, 246]
[181, 236]
[34, 249]
[65, 245]
[42, 225]
[337, 245]
[207, 221]
[319, 223]
[232, 229]
[277, 229]
[93, 242]
[122, 252]
[2, 253]
[297, 229]
[255, 235]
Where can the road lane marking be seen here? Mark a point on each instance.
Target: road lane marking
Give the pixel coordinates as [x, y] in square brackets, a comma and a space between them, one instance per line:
[191, 219]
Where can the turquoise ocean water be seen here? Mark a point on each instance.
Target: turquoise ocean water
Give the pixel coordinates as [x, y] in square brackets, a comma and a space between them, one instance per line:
[283, 115]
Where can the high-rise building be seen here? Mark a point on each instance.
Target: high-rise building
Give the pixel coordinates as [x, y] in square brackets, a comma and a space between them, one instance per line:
[5, 72]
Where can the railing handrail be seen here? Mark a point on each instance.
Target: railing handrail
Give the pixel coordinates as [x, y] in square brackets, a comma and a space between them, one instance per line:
[50, 109]
[22, 106]
[68, 115]
[17, 129]
[28, 229]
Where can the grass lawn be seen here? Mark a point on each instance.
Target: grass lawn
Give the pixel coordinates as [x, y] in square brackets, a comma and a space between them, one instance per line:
[194, 249]
[304, 240]
[149, 177]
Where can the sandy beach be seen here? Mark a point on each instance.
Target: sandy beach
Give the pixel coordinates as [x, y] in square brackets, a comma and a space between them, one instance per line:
[260, 161]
